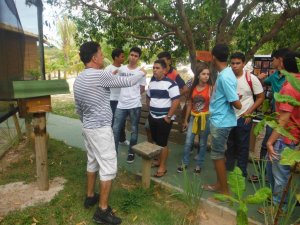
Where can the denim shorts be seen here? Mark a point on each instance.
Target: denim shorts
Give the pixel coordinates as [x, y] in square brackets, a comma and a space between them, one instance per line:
[219, 136]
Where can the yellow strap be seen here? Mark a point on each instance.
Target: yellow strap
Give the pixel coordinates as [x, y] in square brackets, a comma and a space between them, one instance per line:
[195, 128]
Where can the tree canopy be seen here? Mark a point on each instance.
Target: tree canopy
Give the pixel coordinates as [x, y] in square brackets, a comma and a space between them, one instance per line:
[186, 26]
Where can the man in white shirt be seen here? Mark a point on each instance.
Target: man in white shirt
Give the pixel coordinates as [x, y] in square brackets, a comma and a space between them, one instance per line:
[130, 101]
[239, 137]
[118, 57]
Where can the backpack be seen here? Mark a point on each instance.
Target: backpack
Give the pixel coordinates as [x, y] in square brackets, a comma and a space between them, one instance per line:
[249, 81]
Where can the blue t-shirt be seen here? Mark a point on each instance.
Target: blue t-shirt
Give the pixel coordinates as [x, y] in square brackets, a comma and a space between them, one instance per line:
[221, 111]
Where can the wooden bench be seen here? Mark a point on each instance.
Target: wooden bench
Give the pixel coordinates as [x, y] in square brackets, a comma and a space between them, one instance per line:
[147, 151]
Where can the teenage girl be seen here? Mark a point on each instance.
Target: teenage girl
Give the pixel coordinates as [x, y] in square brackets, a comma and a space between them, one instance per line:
[197, 111]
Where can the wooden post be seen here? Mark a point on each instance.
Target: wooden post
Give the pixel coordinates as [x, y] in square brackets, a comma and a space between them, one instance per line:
[146, 172]
[39, 124]
[17, 125]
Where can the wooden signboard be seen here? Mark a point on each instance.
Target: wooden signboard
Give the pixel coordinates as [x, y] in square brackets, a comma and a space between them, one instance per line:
[204, 56]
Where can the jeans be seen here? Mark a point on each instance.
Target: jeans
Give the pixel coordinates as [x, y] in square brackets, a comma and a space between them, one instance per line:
[113, 106]
[189, 142]
[238, 146]
[219, 136]
[119, 121]
[278, 174]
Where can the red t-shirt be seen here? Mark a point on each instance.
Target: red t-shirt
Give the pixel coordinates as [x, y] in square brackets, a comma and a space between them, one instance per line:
[200, 99]
[294, 123]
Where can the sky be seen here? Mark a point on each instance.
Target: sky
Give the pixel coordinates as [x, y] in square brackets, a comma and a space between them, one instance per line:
[28, 17]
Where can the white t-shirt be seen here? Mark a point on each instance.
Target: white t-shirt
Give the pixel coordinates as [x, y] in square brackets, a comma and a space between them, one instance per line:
[114, 92]
[244, 89]
[130, 97]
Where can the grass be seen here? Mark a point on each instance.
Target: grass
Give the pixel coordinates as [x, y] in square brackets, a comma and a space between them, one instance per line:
[132, 203]
[64, 107]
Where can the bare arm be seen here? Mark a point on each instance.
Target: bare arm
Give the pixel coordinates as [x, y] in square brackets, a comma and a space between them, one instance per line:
[236, 104]
[283, 120]
[187, 113]
[174, 106]
[142, 89]
[147, 101]
[184, 90]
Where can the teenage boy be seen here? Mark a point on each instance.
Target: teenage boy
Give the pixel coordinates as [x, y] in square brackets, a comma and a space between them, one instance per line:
[163, 99]
[222, 115]
[289, 119]
[118, 57]
[91, 93]
[276, 81]
[239, 137]
[172, 73]
[130, 101]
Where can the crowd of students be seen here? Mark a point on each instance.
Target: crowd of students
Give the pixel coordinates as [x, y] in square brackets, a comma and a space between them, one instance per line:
[105, 98]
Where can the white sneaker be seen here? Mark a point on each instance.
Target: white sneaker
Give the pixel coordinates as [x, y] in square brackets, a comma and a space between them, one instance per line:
[126, 143]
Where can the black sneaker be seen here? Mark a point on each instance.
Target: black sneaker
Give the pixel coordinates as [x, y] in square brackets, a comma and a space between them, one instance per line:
[91, 201]
[197, 170]
[130, 158]
[106, 216]
[181, 168]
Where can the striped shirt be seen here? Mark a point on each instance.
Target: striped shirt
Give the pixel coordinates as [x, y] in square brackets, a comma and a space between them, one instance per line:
[91, 93]
[161, 94]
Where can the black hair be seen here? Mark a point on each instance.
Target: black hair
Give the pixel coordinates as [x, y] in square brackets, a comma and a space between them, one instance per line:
[238, 55]
[161, 62]
[279, 52]
[290, 63]
[164, 55]
[116, 53]
[137, 50]
[88, 50]
[221, 52]
[197, 70]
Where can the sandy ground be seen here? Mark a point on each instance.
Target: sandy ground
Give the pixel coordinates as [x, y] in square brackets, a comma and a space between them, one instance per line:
[16, 196]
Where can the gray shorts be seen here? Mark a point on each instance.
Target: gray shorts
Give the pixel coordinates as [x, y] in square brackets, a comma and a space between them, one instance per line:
[219, 136]
[101, 152]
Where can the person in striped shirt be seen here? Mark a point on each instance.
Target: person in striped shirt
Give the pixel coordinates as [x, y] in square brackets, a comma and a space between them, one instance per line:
[163, 99]
[91, 93]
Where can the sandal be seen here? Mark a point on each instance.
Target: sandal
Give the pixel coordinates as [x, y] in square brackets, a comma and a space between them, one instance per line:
[153, 165]
[160, 174]
[208, 187]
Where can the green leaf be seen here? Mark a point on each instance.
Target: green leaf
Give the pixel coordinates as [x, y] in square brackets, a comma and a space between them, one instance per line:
[298, 197]
[236, 182]
[289, 157]
[243, 207]
[286, 99]
[224, 198]
[259, 196]
[291, 79]
[259, 127]
[265, 106]
[241, 217]
[275, 126]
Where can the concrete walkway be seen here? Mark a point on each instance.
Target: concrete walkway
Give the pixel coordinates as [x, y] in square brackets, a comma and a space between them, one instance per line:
[68, 130]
